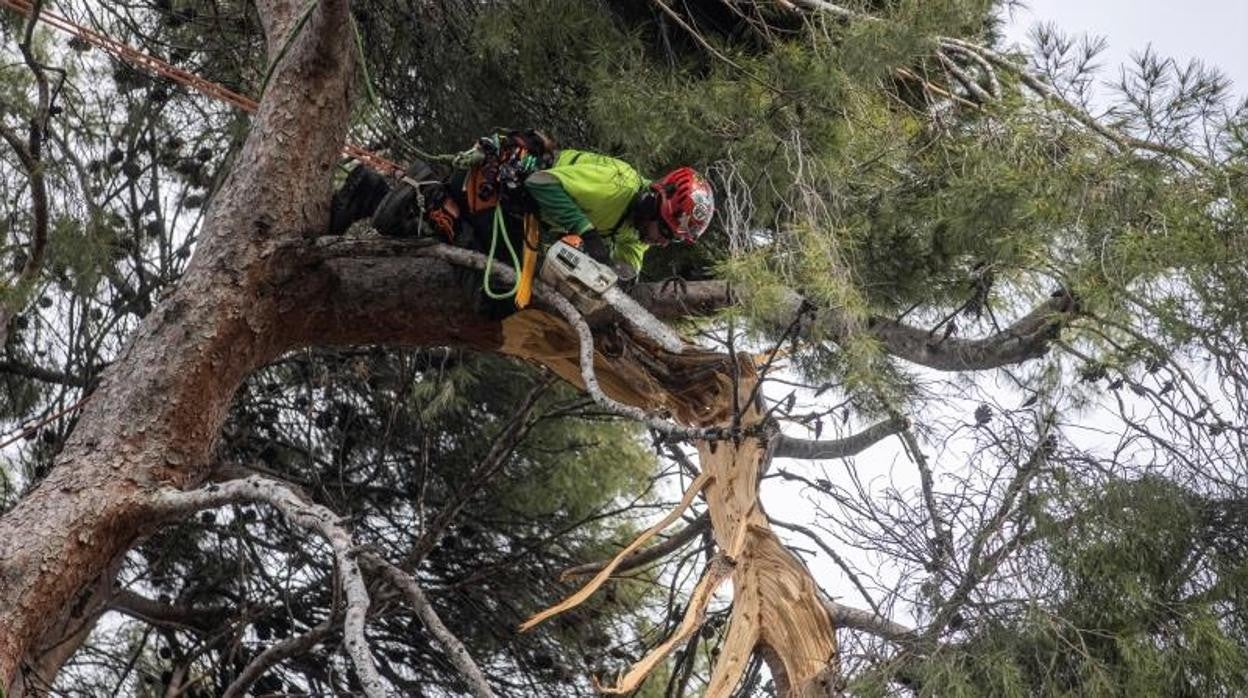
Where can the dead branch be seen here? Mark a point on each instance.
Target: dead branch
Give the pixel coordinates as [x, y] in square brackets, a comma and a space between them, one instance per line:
[644, 557]
[605, 573]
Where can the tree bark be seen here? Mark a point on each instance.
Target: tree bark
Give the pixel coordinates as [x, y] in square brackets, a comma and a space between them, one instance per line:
[158, 409]
[255, 288]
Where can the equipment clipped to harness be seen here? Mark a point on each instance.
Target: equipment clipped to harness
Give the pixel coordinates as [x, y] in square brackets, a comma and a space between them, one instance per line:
[507, 158]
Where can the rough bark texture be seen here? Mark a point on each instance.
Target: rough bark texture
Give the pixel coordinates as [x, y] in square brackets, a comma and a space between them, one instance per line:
[156, 413]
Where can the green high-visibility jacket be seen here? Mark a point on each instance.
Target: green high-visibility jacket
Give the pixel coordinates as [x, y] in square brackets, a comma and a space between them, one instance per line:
[584, 191]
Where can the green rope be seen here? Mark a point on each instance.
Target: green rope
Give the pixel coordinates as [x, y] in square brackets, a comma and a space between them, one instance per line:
[290, 39]
[500, 230]
[359, 47]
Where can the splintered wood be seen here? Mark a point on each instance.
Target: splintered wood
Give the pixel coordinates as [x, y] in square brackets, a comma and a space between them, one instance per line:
[776, 608]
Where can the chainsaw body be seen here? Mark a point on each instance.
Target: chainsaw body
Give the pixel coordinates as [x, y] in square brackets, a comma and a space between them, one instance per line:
[578, 277]
[592, 287]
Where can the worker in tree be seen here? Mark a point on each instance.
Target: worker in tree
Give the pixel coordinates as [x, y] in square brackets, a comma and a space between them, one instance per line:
[593, 202]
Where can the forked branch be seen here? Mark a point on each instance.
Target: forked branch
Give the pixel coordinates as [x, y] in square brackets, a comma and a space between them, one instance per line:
[307, 515]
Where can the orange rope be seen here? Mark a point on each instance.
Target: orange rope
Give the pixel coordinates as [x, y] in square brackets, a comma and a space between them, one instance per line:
[154, 66]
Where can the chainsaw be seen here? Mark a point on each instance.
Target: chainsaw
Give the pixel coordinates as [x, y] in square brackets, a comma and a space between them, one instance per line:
[594, 289]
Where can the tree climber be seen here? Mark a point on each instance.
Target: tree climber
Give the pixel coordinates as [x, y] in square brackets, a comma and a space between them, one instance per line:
[593, 202]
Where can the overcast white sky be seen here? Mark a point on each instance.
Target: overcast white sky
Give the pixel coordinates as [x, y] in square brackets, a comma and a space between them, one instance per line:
[1214, 31]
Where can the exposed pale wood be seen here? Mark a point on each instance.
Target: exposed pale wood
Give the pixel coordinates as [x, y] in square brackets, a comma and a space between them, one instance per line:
[716, 573]
[590, 587]
[777, 608]
[642, 557]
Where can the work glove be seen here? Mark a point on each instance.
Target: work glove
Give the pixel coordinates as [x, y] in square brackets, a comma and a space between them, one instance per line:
[594, 246]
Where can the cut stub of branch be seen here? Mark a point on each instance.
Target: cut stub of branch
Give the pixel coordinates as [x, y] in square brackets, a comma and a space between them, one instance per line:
[599, 579]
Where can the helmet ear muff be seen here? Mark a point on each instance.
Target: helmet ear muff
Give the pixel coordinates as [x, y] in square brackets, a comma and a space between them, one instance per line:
[647, 207]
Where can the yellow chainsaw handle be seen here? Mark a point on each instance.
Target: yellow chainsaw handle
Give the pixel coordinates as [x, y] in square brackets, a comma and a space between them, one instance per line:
[528, 268]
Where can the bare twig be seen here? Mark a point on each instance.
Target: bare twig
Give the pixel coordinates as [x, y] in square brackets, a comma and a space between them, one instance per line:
[836, 558]
[275, 653]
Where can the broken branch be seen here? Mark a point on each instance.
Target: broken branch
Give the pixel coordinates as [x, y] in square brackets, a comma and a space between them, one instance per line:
[599, 579]
[644, 557]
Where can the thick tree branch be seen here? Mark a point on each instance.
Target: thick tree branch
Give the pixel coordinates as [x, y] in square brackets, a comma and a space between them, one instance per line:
[29, 155]
[1028, 338]
[790, 447]
[868, 622]
[389, 274]
[342, 255]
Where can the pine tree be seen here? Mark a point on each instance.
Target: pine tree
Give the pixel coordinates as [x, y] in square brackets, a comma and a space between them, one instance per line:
[934, 236]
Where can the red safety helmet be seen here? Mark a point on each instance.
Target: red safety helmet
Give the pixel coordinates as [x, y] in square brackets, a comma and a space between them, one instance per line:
[686, 203]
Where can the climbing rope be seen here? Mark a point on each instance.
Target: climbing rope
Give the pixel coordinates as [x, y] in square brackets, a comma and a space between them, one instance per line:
[158, 68]
[500, 231]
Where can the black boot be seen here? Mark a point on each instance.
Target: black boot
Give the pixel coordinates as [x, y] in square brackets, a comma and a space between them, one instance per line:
[359, 196]
[420, 195]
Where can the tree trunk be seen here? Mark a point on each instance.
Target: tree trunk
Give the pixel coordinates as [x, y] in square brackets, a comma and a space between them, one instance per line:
[155, 416]
[254, 289]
